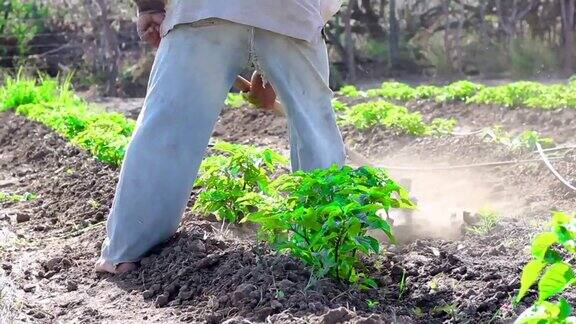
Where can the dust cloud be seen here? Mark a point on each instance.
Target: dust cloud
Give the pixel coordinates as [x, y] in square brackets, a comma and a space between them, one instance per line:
[443, 196]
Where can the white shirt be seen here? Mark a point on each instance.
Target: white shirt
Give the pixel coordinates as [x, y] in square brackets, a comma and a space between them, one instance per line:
[302, 19]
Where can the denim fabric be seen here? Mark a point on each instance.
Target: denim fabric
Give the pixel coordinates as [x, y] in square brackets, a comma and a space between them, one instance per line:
[194, 69]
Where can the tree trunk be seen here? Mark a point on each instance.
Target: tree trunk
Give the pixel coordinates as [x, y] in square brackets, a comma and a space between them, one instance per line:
[349, 43]
[568, 8]
[483, 25]
[106, 61]
[447, 43]
[459, 31]
[382, 8]
[394, 39]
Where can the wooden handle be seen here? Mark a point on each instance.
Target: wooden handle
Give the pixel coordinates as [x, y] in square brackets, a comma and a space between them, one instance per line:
[242, 84]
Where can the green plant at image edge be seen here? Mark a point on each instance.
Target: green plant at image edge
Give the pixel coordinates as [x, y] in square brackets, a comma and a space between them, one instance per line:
[552, 271]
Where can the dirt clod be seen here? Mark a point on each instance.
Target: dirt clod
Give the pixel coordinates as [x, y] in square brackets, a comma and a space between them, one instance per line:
[162, 300]
[53, 264]
[276, 305]
[198, 246]
[22, 217]
[147, 294]
[338, 315]
[241, 293]
[72, 285]
[29, 288]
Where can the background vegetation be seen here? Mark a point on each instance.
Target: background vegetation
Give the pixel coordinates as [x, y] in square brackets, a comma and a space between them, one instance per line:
[369, 39]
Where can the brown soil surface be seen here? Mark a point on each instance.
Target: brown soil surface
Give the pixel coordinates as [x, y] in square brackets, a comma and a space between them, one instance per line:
[558, 123]
[206, 273]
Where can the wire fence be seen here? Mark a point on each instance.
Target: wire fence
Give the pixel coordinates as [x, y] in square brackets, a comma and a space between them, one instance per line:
[71, 32]
[121, 45]
[51, 49]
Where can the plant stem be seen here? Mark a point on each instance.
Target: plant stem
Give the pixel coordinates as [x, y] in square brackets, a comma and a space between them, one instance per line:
[336, 259]
[307, 242]
[302, 236]
[337, 249]
[353, 256]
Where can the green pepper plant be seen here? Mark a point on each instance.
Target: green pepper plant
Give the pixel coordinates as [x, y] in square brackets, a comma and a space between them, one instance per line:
[322, 217]
[235, 180]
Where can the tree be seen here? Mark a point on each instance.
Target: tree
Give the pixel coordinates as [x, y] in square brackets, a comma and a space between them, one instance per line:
[107, 57]
[567, 9]
[394, 38]
[350, 59]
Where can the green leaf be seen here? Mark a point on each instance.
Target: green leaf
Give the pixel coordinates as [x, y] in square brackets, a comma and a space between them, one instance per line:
[367, 244]
[330, 210]
[565, 309]
[542, 243]
[540, 313]
[560, 218]
[362, 244]
[563, 234]
[530, 274]
[268, 221]
[552, 257]
[377, 222]
[369, 282]
[555, 280]
[309, 221]
[355, 227]
[374, 244]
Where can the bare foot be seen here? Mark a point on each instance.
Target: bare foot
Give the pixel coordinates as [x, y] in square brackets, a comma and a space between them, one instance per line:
[105, 266]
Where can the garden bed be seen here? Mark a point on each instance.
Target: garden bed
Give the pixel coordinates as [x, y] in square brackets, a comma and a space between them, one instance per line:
[442, 273]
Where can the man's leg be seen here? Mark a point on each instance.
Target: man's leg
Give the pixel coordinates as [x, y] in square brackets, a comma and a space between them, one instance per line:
[299, 72]
[294, 146]
[193, 71]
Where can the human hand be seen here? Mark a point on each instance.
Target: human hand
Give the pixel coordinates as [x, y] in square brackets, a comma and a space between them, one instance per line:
[148, 27]
[261, 95]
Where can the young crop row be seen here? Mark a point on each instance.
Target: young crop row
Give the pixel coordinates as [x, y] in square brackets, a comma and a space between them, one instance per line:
[375, 114]
[513, 95]
[321, 217]
[526, 140]
[54, 104]
[399, 119]
[381, 113]
[13, 198]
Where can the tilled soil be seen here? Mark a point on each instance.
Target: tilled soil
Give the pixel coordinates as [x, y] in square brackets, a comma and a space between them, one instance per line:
[208, 273]
[558, 123]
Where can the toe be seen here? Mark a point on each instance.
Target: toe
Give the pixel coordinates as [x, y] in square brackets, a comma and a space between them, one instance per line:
[125, 267]
[104, 266]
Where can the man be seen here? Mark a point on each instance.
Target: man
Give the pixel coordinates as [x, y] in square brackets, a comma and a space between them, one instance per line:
[204, 44]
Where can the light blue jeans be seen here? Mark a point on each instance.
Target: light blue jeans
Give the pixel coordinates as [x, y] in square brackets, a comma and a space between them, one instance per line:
[194, 69]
